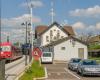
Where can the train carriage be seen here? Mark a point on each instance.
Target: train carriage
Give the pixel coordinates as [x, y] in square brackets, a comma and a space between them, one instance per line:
[9, 52]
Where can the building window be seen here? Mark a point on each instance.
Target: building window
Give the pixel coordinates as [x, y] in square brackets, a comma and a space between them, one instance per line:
[63, 48]
[47, 38]
[55, 38]
[73, 42]
[54, 29]
[62, 36]
[58, 34]
[51, 33]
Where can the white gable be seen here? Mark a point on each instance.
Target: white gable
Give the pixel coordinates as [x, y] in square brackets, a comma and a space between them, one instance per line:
[53, 34]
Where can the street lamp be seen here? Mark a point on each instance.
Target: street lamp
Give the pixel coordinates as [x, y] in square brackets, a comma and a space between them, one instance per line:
[26, 50]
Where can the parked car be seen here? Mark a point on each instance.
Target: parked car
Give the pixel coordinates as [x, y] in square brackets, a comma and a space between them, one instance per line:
[47, 57]
[73, 63]
[88, 67]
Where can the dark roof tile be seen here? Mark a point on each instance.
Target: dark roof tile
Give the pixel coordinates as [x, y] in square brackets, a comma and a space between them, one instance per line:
[41, 28]
[62, 40]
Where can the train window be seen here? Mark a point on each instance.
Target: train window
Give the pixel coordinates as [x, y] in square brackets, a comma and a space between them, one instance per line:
[6, 48]
[0, 49]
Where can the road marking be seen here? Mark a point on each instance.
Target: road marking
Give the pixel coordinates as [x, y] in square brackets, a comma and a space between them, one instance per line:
[59, 79]
[72, 73]
[46, 73]
[57, 72]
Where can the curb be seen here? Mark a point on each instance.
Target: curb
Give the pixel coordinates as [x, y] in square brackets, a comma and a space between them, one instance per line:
[46, 76]
[22, 72]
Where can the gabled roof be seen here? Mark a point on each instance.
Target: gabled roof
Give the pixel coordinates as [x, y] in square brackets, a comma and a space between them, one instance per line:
[42, 29]
[62, 40]
[69, 29]
[55, 23]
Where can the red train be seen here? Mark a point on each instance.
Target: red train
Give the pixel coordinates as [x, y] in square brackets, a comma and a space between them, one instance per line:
[9, 52]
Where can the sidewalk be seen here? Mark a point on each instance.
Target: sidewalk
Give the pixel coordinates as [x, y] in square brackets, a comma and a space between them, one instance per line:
[15, 68]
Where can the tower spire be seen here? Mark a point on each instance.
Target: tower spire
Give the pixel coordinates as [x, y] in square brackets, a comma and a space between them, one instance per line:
[52, 11]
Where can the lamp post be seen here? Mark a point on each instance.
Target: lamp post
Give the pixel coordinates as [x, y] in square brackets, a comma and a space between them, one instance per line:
[26, 50]
[31, 33]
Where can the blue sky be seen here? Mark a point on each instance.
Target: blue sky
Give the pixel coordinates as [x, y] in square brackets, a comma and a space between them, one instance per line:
[83, 15]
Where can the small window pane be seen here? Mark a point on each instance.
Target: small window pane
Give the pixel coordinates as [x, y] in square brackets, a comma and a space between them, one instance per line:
[47, 38]
[62, 48]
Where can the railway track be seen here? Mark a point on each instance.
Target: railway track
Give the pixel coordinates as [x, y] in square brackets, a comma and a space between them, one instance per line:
[13, 64]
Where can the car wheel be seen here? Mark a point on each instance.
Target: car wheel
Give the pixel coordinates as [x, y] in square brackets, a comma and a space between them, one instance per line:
[68, 67]
[82, 74]
[78, 72]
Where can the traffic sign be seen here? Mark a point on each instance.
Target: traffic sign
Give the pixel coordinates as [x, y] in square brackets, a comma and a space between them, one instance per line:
[37, 53]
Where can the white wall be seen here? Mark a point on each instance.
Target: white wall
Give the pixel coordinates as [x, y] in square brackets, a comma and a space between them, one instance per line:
[69, 52]
[44, 42]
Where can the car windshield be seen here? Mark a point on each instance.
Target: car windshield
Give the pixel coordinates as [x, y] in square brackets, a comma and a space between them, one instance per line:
[46, 54]
[76, 60]
[89, 62]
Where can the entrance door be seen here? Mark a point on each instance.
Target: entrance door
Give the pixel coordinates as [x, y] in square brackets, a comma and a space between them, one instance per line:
[81, 53]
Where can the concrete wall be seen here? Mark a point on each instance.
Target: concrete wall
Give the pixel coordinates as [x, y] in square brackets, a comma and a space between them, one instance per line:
[69, 52]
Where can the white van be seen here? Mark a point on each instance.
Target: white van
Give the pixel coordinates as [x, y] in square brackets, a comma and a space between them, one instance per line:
[47, 57]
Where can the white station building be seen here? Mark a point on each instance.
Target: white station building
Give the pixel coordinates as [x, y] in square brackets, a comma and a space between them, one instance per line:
[61, 41]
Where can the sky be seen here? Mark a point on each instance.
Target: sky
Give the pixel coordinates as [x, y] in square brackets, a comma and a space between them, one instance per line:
[82, 15]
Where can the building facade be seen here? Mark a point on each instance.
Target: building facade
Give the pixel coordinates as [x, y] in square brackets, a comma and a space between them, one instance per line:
[54, 32]
[61, 41]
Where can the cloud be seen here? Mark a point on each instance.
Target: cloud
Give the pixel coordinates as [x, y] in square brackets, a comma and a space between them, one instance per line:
[17, 21]
[90, 12]
[35, 4]
[90, 28]
[14, 35]
[98, 26]
[13, 27]
[81, 27]
[78, 25]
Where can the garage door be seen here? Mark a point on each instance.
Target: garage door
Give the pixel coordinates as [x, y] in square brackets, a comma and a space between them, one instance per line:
[81, 53]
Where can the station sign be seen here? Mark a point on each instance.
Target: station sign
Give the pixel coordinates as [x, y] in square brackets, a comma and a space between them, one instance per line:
[26, 46]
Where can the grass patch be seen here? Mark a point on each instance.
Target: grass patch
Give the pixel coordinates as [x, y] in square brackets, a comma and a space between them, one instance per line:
[91, 47]
[34, 71]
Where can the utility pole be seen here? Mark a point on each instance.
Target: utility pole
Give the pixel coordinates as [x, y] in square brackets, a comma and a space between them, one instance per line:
[2, 69]
[7, 38]
[26, 48]
[31, 33]
[2, 61]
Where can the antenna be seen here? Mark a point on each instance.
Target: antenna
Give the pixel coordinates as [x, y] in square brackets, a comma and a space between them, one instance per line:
[52, 11]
